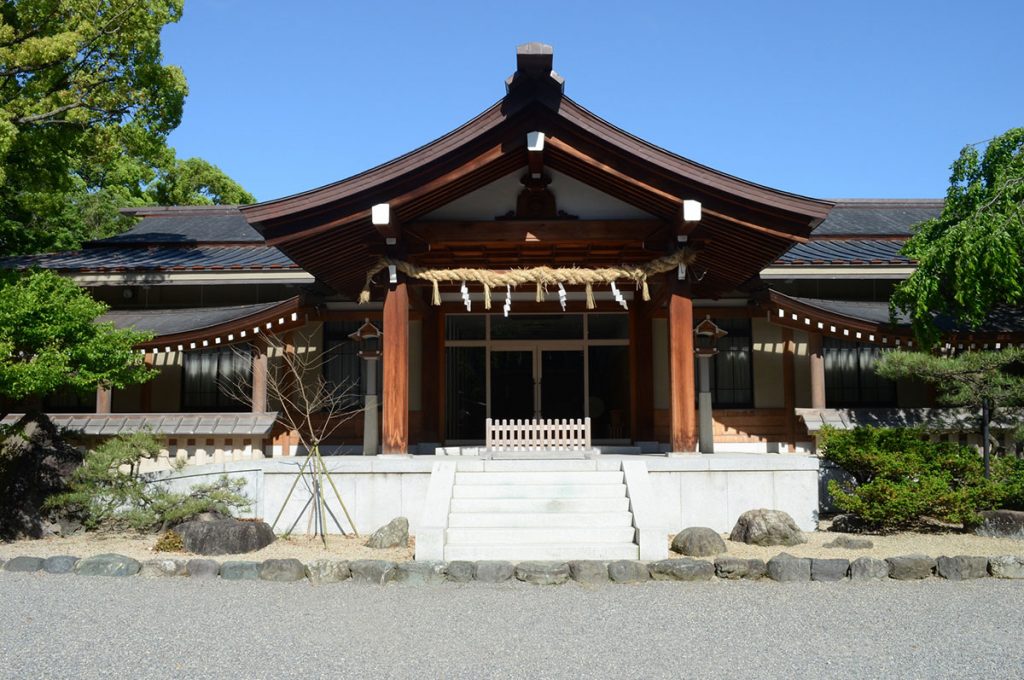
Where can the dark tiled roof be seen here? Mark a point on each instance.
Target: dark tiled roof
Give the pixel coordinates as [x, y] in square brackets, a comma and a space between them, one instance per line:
[845, 252]
[168, 258]
[159, 226]
[172, 321]
[1001, 320]
[162, 423]
[877, 217]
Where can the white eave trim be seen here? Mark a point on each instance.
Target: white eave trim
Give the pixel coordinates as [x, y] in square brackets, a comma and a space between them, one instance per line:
[838, 272]
[190, 278]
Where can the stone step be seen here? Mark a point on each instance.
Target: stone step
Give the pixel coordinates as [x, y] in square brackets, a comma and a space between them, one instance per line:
[564, 551]
[538, 477]
[540, 519]
[544, 505]
[556, 535]
[549, 465]
[544, 491]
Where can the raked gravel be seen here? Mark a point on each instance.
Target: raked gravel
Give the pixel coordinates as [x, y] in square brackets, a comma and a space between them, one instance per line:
[63, 626]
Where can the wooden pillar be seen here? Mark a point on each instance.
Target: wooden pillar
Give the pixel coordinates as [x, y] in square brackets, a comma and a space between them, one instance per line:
[431, 375]
[146, 390]
[104, 397]
[789, 385]
[395, 423]
[259, 376]
[641, 372]
[817, 360]
[682, 410]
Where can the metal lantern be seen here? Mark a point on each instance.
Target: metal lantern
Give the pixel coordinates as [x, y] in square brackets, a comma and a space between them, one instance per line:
[706, 336]
[368, 337]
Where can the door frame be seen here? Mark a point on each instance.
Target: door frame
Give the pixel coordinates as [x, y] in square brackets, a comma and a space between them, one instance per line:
[537, 347]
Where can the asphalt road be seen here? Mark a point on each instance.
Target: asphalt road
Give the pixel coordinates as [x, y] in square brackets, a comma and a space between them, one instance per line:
[68, 626]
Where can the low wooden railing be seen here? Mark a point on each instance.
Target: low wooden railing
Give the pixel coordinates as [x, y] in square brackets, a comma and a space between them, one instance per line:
[556, 434]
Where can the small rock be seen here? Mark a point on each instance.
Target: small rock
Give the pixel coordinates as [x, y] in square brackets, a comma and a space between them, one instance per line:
[376, 572]
[589, 571]
[628, 571]
[282, 570]
[733, 568]
[543, 573]
[493, 571]
[868, 569]
[961, 567]
[199, 568]
[786, 568]
[1003, 523]
[767, 527]
[1006, 566]
[327, 571]
[850, 543]
[910, 567]
[24, 564]
[240, 570]
[394, 534]
[698, 542]
[60, 564]
[420, 573]
[829, 569]
[460, 571]
[224, 536]
[685, 569]
[163, 567]
[849, 524]
[109, 564]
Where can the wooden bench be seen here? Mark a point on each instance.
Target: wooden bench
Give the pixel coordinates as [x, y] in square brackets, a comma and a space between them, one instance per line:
[555, 434]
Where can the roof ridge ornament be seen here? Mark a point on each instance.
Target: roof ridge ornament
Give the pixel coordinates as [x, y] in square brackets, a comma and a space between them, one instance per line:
[534, 74]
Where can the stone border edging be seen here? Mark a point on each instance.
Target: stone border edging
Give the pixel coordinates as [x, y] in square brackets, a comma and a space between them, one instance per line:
[783, 568]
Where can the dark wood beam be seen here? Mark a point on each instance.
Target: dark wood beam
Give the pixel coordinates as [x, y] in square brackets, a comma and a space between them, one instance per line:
[535, 231]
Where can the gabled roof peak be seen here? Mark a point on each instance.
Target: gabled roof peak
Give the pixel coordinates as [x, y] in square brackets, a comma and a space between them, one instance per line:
[534, 72]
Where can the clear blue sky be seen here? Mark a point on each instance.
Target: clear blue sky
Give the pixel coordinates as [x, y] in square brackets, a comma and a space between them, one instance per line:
[827, 99]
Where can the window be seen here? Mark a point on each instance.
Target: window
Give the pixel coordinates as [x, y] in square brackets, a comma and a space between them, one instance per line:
[342, 365]
[207, 375]
[850, 378]
[731, 368]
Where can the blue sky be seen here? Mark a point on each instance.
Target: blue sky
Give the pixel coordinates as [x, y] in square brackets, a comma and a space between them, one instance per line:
[826, 99]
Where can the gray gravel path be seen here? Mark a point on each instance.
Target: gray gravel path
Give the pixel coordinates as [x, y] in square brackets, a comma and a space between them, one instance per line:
[68, 626]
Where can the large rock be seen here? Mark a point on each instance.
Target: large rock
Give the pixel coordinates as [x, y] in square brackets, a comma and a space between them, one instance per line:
[460, 571]
[394, 534]
[850, 543]
[60, 564]
[767, 527]
[199, 568]
[240, 570]
[1001, 523]
[786, 568]
[108, 564]
[698, 542]
[829, 569]
[282, 570]
[589, 571]
[868, 569]
[961, 567]
[733, 568]
[685, 569]
[421, 573]
[628, 571]
[910, 567]
[493, 571]
[543, 573]
[24, 564]
[327, 571]
[1006, 566]
[224, 536]
[162, 567]
[849, 524]
[376, 572]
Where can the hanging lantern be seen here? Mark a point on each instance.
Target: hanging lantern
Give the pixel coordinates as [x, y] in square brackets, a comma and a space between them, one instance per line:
[368, 338]
[706, 336]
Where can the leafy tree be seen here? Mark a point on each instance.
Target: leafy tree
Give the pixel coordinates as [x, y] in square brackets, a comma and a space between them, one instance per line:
[969, 258]
[85, 109]
[49, 339]
[977, 379]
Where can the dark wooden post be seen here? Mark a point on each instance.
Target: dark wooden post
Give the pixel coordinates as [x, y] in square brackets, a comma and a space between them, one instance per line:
[259, 375]
[682, 409]
[395, 424]
[789, 385]
[104, 397]
[641, 372]
[817, 360]
[146, 391]
[431, 370]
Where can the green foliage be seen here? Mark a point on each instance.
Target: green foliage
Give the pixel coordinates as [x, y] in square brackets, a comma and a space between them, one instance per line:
[969, 258]
[169, 541]
[965, 379]
[49, 339]
[106, 490]
[901, 477]
[1008, 475]
[85, 109]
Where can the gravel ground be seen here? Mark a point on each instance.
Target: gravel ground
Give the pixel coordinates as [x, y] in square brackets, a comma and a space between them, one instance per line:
[905, 543]
[67, 626]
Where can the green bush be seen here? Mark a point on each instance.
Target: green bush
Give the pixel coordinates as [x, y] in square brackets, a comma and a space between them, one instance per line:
[106, 491]
[1008, 474]
[902, 477]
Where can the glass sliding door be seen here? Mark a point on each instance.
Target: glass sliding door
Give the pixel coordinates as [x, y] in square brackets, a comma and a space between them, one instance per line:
[561, 384]
[512, 384]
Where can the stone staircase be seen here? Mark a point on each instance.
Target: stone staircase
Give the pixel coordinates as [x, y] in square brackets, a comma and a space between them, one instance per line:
[540, 510]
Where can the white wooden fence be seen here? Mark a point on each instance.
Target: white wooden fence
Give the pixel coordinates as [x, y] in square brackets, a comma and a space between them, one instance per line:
[549, 434]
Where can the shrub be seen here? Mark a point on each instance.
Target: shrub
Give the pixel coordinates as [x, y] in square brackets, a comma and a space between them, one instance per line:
[169, 541]
[1008, 474]
[902, 477]
[107, 490]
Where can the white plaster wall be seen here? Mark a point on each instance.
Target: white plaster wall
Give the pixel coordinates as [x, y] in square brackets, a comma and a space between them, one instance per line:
[768, 351]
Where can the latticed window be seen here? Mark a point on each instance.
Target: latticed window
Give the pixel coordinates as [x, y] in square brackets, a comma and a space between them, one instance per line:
[850, 378]
[732, 368]
[342, 366]
[208, 375]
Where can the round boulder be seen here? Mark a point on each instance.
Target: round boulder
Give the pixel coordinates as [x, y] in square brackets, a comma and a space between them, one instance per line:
[394, 534]
[767, 527]
[224, 536]
[698, 542]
